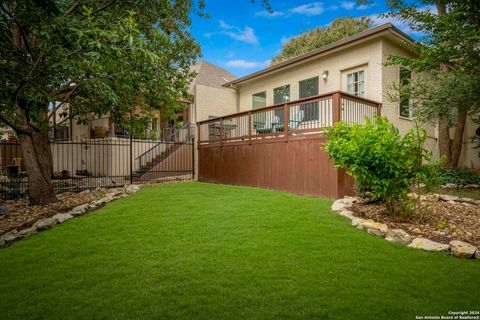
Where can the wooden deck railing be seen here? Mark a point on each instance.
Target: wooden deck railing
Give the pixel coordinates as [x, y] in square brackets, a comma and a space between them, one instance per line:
[307, 116]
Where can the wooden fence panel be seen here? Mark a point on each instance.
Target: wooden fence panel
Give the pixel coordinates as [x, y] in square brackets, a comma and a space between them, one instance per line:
[297, 165]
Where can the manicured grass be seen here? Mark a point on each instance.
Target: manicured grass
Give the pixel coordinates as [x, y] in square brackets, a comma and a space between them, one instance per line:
[205, 251]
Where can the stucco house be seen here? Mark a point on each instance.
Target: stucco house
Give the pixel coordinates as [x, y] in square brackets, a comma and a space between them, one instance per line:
[353, 65]
[349, 74]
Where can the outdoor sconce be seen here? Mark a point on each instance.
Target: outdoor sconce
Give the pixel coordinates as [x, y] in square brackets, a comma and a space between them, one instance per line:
[325, 75]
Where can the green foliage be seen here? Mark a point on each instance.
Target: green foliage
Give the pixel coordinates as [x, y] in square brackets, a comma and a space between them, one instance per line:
[100, 56]
[310, 40]
[382, 162]
[447, 51]
[457, 176]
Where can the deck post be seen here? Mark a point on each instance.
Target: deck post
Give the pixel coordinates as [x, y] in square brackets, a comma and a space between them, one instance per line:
[221, 131]
[285, 119]
[198, 135]
[379, 110]
[336, 107]
[249, 125]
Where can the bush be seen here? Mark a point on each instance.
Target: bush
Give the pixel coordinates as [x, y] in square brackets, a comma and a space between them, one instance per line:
[382, 161]
[458, 176]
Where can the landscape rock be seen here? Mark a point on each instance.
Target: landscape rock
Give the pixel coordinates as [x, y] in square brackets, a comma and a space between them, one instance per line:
[472, 186]
[27, 232]
[462, 249]
[398, 236]
[446, 197]
[338, 205]
[45, 223]
[467, 200]
[428, 245]
[370, 224]
[79, 210]
[10, 236]
[376, 232]
[450, 185]
[62, 217]
[346, 213]
[477, 254]
[433, 197]
[132, 188]
[2, 242]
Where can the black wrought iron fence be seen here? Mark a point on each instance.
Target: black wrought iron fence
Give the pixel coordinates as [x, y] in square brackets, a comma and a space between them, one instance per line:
[109, 162]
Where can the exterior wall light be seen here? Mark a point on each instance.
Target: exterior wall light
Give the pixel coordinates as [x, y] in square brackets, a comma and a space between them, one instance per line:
[325, 75]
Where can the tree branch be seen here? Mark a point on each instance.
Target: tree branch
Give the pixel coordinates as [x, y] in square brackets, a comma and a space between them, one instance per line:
[108, 4]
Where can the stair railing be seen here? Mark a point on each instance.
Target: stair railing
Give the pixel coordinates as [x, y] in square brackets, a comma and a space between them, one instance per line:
[178, 136]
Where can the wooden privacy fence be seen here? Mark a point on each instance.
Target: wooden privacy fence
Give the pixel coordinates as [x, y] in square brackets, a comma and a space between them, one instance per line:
[279, 146]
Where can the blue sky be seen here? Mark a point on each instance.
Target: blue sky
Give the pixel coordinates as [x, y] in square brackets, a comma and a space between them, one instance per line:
[242, 37]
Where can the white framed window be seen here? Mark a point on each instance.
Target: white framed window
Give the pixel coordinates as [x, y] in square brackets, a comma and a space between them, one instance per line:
[356, 83]
[259, 100]
[309, 88]
[281, 94]
[405, 108]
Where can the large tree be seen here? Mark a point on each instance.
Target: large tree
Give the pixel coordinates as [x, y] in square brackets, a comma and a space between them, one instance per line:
[449, 53]
[310, 40]
[101, 56]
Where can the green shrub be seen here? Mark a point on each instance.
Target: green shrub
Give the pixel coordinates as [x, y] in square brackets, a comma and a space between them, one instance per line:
[458, 176]
[382, 161]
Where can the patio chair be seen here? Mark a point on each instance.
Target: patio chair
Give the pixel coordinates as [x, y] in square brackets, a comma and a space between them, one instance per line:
[296, 117]
[269, 125]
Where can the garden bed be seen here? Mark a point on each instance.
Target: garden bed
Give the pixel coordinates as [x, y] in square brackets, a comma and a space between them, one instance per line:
[443, 221]
[21, 215]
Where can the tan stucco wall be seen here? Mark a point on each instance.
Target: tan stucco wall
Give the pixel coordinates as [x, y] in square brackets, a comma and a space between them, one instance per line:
[211, 101]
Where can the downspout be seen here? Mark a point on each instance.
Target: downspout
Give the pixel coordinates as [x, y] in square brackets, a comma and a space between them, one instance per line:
[237, 98]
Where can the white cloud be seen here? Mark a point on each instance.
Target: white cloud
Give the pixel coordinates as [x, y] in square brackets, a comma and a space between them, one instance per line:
[244, 64]
[266, 14]
[311, 9]
[379, 19]
[246, 35]
[347, 5]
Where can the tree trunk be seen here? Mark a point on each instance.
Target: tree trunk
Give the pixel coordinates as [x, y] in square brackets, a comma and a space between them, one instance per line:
[457, 143]
[444, 143]
[37, 157]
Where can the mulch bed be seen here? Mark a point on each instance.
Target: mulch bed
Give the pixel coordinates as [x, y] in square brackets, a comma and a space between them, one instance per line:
[442, 221]
[21, 215]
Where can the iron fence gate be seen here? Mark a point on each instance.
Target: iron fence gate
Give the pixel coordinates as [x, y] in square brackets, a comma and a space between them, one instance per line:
[109, 162]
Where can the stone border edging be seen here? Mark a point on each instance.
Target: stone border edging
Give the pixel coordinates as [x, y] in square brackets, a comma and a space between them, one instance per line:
[457, 248]
[45, 223]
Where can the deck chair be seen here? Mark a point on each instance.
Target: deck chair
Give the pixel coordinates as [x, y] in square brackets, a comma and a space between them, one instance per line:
[269, 125]
[296, 117]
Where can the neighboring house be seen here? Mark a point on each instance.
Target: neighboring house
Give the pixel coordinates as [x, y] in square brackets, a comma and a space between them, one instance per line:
[354, 65]
[210, 97]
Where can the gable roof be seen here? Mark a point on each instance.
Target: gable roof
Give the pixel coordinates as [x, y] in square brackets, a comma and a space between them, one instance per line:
[331, 46]
[210, 75]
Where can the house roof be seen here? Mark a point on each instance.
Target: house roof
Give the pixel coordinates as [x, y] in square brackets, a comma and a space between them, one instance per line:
[210, 75]
[334, 45]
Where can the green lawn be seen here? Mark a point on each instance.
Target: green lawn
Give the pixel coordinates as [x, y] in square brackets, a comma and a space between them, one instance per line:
[205, 251]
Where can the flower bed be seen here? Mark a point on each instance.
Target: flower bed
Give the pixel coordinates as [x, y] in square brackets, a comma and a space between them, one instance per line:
[449, 224]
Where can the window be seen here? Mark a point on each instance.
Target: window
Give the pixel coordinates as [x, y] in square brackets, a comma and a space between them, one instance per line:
[405, 108]
[308, 88]
[259, 100]
[281, 94]
[356, 83]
